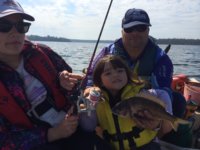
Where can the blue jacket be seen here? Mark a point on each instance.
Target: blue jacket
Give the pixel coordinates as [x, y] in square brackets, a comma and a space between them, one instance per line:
[154, 63]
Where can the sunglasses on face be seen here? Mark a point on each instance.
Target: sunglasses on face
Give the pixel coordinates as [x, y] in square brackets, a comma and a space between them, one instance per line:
[139, 28]
[21, 27]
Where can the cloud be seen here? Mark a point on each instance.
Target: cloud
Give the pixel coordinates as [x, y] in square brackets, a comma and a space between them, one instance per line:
[84, 18]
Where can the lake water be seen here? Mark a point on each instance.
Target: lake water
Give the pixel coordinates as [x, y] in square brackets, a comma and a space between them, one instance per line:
[186, 58]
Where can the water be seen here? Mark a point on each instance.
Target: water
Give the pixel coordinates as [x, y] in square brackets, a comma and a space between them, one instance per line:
[186, 58]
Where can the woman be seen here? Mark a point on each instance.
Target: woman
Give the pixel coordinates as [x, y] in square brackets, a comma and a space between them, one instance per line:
[35, 85]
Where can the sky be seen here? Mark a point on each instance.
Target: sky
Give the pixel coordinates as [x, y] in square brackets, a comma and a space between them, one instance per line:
[83, 19]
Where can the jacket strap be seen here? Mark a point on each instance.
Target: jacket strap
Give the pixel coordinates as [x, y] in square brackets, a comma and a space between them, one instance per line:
[11, 110]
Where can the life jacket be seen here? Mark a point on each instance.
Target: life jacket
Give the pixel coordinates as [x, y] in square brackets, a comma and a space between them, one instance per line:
[126, 134]
[144, 66]
[40, 62]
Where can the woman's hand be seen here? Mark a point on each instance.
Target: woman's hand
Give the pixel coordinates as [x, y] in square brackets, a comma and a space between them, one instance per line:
[65, 129]
[68, 80]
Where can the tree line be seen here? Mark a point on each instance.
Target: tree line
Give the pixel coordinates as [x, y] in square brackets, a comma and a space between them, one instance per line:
[179, 41]
[173, 41]
[47, 38]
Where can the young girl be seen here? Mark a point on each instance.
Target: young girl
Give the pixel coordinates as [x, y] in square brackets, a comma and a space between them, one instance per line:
[113, 77]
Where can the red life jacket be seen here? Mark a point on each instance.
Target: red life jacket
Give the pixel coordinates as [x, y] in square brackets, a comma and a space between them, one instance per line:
[43, 65]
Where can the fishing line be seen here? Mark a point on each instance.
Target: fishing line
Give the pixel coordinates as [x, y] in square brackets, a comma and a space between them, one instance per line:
[83, 83]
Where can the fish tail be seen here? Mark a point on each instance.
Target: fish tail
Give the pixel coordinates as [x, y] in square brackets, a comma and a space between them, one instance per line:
[178, 121]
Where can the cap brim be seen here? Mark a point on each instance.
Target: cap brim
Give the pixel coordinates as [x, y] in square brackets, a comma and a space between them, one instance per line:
[135, 23]
[24, 15]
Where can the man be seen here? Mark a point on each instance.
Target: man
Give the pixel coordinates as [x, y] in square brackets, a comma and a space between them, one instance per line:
[141, 54]
[147, 60]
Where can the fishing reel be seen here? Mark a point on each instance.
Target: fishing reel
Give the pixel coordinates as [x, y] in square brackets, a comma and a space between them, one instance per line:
[88, 104]
[76, 96]
[84, 105]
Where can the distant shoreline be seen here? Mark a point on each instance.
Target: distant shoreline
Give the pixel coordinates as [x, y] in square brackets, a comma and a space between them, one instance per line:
[158, 41]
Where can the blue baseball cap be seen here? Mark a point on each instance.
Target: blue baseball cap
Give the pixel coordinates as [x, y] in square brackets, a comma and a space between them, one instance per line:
[9, 7]
[134, 17]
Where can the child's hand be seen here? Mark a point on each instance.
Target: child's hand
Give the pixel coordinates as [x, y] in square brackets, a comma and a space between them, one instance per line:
[87, 90]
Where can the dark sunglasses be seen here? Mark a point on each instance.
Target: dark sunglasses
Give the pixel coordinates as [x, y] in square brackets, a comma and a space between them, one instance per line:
[21, 27]
[139, 28]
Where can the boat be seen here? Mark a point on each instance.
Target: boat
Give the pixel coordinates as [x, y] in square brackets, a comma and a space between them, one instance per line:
[167, 146]
[190, 89]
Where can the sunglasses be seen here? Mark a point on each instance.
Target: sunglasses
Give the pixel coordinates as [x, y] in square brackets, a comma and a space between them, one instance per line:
[139, 28]
[21, 27]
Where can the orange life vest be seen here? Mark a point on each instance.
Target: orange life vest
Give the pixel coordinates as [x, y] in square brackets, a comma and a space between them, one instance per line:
[10, 109]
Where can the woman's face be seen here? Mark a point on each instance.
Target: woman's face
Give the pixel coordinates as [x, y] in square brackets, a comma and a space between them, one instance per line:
[11, 42]
[113, 79]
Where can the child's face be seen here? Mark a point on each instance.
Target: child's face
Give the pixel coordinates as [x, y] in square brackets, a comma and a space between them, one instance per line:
[113, 79]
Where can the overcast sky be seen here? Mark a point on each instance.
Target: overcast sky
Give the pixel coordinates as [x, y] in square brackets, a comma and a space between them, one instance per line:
[83, 19]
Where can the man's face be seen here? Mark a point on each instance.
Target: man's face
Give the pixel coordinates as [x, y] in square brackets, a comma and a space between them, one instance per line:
[135, 37]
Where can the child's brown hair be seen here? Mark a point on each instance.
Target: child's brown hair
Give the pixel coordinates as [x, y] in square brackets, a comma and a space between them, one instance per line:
[115, 61]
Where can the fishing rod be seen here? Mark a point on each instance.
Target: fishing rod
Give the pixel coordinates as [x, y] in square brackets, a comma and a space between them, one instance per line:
[83, 83]
[167, 48]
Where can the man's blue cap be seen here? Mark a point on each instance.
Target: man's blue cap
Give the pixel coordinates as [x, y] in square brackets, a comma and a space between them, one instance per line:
[134, 17]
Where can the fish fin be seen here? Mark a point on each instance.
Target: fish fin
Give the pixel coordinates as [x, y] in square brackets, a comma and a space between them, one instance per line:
[175, 125]
[151, 97]
[178, 121]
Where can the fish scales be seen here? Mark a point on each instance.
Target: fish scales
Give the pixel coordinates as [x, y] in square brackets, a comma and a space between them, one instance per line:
[130, 107]
[135, 104]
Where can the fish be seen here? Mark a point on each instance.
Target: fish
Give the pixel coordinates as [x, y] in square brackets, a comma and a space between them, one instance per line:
[129, 108]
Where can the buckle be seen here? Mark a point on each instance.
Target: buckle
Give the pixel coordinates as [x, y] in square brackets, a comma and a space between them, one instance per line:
[32, 112]
[39, 108]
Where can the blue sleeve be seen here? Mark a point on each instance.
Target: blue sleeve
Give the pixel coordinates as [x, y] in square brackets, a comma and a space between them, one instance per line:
[164, 71]
[163, 96]
[101, 54]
